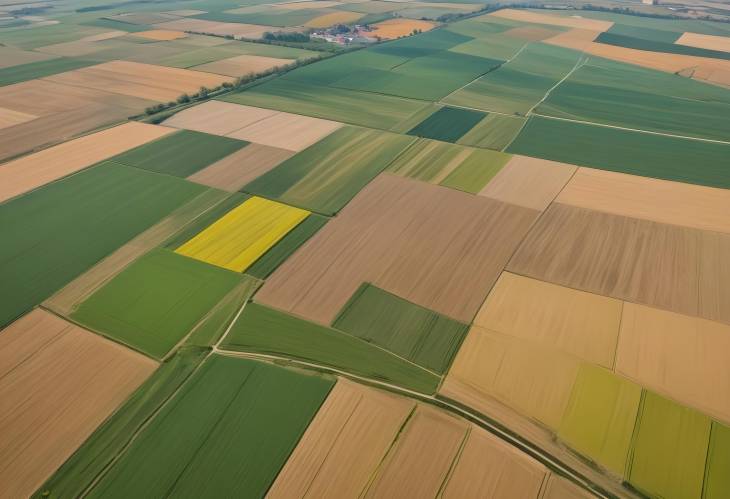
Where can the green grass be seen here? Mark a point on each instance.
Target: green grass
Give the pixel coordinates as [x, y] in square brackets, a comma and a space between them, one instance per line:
[418, 334]
[152, 304]
[421, 45]
[326, 175]
[646, 33]
[658, 46]
[669, 449]
[448, 124]
[205, 219]
[265, 330]
[492, 46]
[227, 433]
[286, 246]
[717, 478]
[117, 25]
[496, 131]
[600, 417]
[625, 151]
[476, 171]
[39, 69]
[98, 451]
[181, 153]
[31, 38]
[53, 234]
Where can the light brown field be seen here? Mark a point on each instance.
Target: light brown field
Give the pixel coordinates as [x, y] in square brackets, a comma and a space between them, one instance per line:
[488, 467]
[287, 131]
[241, 65]
[238, 30]
[313, 4]
[10, 56]
[56, 394]
[332, 18]
[576, 38]
[145, 81]
[161, 34]
[539, 18]
[437, 247]
[65, 301]
[634, 260]
[238, 169]
[9, 117]
[108, 35]
[185, 12]
[557, 487]
[709, 42]
[419, 461]
[531, 33]
[394, 28]
[76, 48]
[529, 182]
[30, 172]
[714, 292]
[217, 117]
[650, 199]
[684, 358]
[344, 444]
[534, 380]
[576, 322]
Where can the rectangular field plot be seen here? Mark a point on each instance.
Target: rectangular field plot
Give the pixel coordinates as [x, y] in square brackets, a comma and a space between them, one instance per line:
[580, 323]
[325, 176]
[156, 301]
[180, 154]
[35, 170]
[709, 42]
[461, 241]
[58, 383]
[245, 233]
[415, 333]
[242, 65]
[669, 467]
[268, 331]
[227, 433]
[717, 481]
[463, 168]
[41, 69]
[55, 233]
[448, 124]
[344, 445]
[496, 131]
[625, 151]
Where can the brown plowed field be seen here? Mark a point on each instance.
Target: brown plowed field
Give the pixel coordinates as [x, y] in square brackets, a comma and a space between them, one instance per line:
[54, 393]
[559, 488]
[9, 117]
[437, 247]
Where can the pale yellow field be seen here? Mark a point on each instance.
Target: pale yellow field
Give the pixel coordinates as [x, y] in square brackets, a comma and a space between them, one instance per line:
[327, 20]
[580, 323]
[242, 65]
[682, 357]
[710, 42]
[10, 117]
[394, 28]
[648, 198]
[245, 233]
[161, 34]
[287, 131]
[35, 170]
[539, 18]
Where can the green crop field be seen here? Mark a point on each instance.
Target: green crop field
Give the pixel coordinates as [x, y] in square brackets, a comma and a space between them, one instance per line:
[227, 433]
[205, 219]
[496, 131]
[624, 151]
[326, 175]
[264, 330]
[181, 154]
[39, 69]
[644, 32]
[448, 124]
[717, 479]
[47, 233]
[418, 334]
[659, 46]
[156, 301]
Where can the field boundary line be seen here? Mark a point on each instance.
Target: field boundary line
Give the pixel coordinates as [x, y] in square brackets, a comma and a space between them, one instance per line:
[578, 64]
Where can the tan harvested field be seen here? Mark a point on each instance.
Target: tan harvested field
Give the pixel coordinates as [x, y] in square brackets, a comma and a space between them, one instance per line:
[10, 56]
[650, 199]
[437, 247]
[58, 383]
[287, 131]
[344, 444]
[576, 38]
[238, 169]
[394, 28]
[531, 33]
[709, 42]
[420, 460]
[576, 322]
[32, 171]
[529, 182]
[145, 81]
[557, 487]
[238, 30]
[332, 18]
[489, 468]
[714, 292]
[681, 357]
[9, 117]
[313, 4]
[625, 258]
[242, 65]
[161, 34]
[65, 301]
[565, 21]
[534, 380]
[217, 117]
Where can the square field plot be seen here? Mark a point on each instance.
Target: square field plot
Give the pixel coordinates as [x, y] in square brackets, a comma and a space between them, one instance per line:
[448, 124]
[156, 301]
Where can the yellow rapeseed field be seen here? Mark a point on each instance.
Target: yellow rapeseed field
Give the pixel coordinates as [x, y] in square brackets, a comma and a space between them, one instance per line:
[245, 233]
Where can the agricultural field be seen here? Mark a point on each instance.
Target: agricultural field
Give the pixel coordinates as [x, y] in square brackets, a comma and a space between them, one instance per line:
[364, 248]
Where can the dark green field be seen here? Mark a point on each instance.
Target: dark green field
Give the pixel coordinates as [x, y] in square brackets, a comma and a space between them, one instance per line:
[24, 72]
[448, 124]
[658, 46]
